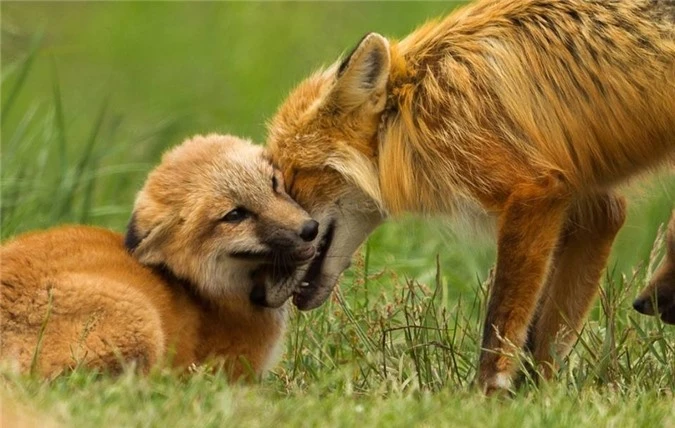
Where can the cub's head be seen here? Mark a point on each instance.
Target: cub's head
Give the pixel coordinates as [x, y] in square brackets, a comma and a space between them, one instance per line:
[324, 139]
[661, 288]
[215, 213]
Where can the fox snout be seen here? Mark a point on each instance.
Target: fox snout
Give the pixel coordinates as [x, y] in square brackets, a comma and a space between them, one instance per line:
[274, 284]
[309, 230]
[643, 304]
[661, 289]
[290, 244]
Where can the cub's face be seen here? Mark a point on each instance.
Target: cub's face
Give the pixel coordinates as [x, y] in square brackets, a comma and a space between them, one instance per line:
[215, 213]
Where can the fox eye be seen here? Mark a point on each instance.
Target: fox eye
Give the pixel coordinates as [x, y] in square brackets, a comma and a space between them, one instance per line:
[237, 215]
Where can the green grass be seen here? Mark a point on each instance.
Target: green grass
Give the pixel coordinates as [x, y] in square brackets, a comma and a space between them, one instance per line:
[92, 93]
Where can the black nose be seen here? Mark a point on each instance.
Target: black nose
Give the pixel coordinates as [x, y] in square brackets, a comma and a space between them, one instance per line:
[309, 230]
[644, 306]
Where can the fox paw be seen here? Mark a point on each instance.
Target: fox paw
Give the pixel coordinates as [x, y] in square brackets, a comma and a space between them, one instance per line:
[497, 384]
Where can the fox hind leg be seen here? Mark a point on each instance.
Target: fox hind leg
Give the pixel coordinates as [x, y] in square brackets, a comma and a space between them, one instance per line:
[574, 278]
[529, 229]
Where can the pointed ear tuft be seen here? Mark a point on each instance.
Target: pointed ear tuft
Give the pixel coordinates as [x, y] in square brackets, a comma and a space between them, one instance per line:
[362, 77]
[347, 59]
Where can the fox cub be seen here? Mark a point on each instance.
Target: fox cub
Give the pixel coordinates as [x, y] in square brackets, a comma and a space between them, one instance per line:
[525, 111]
[661, 289]
[212, 233]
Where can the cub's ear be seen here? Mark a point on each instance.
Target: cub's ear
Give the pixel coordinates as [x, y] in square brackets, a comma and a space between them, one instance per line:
[133, 237]
[145, 246]
[362, 77]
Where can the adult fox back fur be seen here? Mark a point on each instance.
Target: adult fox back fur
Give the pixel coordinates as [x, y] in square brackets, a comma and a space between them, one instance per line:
[526, 110]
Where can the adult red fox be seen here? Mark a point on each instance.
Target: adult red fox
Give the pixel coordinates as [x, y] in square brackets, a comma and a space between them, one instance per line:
[529, 111]
[661, 288]
[212, 234]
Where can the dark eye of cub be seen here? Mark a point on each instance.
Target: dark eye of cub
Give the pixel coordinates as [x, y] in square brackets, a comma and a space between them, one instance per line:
[275, 183]
[237, 215]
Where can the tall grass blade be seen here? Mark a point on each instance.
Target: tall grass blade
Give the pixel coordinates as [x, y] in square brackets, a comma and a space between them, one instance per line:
[60, 122]
[24, 70]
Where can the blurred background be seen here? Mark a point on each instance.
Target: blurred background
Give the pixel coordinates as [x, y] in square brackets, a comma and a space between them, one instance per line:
[93, 93]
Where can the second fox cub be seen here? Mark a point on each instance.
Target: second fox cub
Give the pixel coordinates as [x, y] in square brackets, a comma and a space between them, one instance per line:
[661, 289]
[528, 111]
[213, 234]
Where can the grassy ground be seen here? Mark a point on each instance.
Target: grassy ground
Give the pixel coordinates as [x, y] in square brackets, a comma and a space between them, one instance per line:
[92, 93]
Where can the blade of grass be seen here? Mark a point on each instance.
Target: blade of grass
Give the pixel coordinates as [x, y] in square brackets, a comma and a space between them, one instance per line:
[59, 118]
[24, 70]
[74, 179]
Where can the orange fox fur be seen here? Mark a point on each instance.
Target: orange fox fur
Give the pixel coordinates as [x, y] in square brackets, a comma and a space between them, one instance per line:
[526, 111]
[177, 287]
[661, 289]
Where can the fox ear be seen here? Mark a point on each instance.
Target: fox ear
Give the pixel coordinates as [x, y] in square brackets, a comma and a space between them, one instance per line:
[145, 246]
[362, 77]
